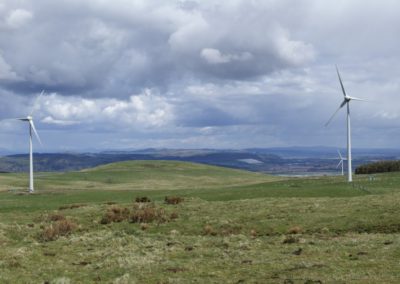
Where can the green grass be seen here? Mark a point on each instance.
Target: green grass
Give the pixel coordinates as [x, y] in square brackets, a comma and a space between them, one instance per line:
[233, 227]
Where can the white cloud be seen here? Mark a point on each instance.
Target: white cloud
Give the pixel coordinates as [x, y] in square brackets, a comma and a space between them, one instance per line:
[294, 52]
[18, 18]
[51, 120]
[145, 110]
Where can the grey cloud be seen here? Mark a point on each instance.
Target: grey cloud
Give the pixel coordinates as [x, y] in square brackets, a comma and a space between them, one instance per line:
[219, 72]
[101, 48]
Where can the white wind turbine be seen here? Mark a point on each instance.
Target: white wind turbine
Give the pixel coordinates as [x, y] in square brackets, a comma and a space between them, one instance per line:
[341, 161]
[32, 128]
[346, 102]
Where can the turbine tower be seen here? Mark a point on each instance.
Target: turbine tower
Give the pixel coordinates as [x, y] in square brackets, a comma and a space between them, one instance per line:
[346, 102]
[341, 161]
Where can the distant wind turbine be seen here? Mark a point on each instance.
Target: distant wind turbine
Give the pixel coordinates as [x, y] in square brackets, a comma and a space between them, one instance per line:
[341, 161]
[346, 102]
[32, 128]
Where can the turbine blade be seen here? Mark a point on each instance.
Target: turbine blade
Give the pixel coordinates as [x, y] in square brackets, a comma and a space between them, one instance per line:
[333, 115]
[34, 131]
[14, 118]
[35, 103]
[341, 162]
[356, 99]
[340, 155]
[340, 80]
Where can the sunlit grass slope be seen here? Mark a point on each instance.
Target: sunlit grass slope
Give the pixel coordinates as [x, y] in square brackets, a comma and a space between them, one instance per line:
[138, 175]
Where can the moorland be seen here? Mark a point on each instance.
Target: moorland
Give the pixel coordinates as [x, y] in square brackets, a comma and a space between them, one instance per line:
[180, 222]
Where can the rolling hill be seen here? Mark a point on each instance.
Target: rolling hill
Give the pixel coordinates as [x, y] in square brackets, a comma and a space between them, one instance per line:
[140, 175]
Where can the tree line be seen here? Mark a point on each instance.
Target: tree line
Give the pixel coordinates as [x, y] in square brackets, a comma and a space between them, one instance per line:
[378, 167]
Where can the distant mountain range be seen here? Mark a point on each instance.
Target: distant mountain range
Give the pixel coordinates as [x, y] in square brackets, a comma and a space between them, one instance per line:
[293, 160]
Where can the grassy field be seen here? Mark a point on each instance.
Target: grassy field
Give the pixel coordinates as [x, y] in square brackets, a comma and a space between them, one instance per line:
[231, 227]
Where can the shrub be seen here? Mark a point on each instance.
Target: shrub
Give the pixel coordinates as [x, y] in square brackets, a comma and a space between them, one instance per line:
[115, 214]
[290, 240]
[208, 230]
[253, 233]
[59, 228]
[295, 230]
[148, 214]
[173, 216]
[142, 199]
[144, 226]
[173, 200]
[140, 213]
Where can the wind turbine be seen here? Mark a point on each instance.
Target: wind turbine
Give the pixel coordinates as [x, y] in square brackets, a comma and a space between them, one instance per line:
[32, 128]
[341, 161]
[346, 102]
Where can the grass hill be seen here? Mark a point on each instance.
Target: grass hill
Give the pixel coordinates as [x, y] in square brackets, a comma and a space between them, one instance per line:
[139, 175]
[216, 225]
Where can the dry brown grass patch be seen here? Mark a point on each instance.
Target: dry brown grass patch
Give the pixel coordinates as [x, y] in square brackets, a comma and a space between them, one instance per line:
[147, 214]
[115, 214]
[222, 230]
[58, 228]
[71, 206]
[173, 200]
[55, 217]
[295, 230]
[140, 213]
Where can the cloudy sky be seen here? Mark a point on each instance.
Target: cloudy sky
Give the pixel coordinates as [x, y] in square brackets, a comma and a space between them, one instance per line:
[130, 74]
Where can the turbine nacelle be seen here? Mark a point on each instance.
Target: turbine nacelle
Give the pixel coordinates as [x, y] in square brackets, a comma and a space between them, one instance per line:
[348, 99]
[28, 118]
